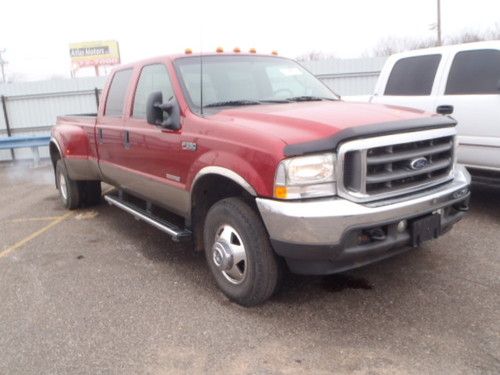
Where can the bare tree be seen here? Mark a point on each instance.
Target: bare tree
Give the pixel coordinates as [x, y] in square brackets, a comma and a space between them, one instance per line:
[314, 56]
[471, 36]
[391, 45]
[466, 36]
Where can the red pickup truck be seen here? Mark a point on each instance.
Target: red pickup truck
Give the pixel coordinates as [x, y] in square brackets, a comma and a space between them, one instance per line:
[262, 167]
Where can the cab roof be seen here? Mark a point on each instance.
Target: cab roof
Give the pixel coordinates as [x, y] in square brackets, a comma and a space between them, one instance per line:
[177, 56]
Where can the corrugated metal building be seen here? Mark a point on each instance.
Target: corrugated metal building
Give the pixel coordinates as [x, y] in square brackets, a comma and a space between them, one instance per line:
[348, 76]
[32, 107]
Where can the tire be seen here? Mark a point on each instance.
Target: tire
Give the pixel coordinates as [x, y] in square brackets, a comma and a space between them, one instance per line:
[239, 253]
[69, 190]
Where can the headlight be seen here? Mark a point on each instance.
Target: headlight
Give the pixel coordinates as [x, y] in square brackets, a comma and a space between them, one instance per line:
[306, 177]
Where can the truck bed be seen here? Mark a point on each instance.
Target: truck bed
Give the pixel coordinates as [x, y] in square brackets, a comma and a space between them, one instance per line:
[84, 118]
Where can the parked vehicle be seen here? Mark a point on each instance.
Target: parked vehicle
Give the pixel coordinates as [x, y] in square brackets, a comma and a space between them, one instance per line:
[261, 165]
[463, 79]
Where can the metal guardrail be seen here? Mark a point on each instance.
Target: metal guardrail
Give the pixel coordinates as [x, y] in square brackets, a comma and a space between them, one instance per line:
[33, 142]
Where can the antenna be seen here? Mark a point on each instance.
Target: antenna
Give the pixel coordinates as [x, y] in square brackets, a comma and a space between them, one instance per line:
[201, 68]
[201, 83]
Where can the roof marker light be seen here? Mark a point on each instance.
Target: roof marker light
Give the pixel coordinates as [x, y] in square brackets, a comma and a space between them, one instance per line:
[236, 50]
[219, 50]
[275, 53]
[188, 51]
[253, 50]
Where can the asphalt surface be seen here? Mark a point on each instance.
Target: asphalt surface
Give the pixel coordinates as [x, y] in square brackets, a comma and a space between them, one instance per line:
[98, 292]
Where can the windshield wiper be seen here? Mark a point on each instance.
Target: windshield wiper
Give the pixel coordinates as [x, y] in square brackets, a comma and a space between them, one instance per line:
[229, 103]
[308, 98]
[277, 101]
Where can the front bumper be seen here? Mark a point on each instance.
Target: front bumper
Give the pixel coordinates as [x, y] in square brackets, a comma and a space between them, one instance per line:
[324, 236]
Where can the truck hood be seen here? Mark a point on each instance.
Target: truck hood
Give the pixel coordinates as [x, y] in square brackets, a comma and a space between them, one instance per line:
[307, 121]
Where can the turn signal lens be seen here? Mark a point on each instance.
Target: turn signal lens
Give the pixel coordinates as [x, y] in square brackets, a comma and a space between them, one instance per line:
[280, 192]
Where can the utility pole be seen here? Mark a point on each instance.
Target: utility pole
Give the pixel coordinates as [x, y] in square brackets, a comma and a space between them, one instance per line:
[2, 64]
[439, 40]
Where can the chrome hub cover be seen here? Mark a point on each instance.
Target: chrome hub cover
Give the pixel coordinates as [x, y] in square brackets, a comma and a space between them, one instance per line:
[223, 257]
[229, 255]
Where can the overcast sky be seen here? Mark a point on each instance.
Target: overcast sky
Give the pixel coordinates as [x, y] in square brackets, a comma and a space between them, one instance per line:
[36, 33]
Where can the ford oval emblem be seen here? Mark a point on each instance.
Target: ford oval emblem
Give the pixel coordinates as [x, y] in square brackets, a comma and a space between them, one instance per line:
[419, 163]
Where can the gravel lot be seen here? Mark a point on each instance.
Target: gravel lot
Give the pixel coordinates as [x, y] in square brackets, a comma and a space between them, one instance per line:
[97, 292]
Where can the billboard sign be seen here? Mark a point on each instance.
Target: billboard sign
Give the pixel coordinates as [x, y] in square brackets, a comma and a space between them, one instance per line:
[97, 53]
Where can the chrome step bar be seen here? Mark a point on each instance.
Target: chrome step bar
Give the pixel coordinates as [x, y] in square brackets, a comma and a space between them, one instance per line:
[175, 232]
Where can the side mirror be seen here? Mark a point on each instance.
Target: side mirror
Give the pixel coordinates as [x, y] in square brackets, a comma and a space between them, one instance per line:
[445, 109]
[165, 115]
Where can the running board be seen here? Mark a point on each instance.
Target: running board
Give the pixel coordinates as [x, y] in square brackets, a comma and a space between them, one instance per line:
[174, 231]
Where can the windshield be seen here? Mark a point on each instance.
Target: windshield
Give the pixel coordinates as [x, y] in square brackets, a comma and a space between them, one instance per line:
[247, 80]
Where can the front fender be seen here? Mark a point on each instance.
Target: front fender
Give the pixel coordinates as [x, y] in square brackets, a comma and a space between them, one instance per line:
[233, 167]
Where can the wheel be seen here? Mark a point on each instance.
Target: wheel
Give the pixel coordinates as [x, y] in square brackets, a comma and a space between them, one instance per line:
[239, 253]
[69, 190]
[91, 192]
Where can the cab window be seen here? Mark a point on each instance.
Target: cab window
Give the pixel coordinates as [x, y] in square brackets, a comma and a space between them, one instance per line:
[413, 76]
[153, 78]
[117, 93]
[474, 72]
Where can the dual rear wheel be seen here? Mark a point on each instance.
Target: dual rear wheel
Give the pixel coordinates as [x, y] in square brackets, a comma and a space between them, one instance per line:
[73, 193]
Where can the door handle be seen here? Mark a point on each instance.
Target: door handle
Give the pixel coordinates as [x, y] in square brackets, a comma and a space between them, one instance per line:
[100, 136]
[126, 140]
[445, 109]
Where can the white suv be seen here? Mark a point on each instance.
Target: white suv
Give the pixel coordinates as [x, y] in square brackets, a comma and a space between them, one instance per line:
[463, 78]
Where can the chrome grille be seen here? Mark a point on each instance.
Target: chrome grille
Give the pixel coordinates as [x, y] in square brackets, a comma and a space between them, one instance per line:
[381, 167]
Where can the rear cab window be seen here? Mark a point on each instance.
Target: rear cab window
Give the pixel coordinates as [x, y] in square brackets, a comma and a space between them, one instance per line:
[413, 76]
[474, 72]
[117, 93]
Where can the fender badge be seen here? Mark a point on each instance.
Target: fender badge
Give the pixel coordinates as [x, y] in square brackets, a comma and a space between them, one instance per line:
[189, 146]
